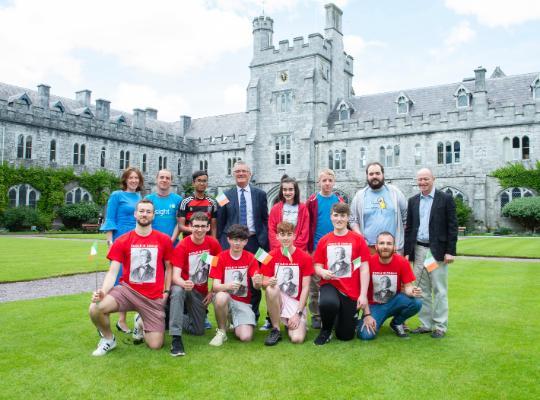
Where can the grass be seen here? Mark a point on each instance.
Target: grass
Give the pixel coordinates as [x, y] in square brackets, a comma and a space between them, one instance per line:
[92, 236]
[490, 352]
[34, 258]
[500, 247]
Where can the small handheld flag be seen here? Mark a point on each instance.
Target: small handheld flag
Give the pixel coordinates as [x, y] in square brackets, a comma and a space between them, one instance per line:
[285, 251]
[429, 262]
[93, 250]
[357, 262]
[262, 256]
[222, 199]
[208, 259]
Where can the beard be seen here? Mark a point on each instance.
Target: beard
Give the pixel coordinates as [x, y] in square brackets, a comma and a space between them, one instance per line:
[144, 223]
[376, 184]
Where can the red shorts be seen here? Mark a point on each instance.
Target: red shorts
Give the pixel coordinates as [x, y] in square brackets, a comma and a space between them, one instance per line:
[152, 311]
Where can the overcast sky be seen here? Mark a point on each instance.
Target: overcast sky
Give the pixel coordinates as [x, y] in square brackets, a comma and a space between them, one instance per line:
[192, 57]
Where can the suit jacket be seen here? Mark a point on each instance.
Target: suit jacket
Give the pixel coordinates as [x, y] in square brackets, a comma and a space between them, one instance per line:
[229, 215]
[442, 226]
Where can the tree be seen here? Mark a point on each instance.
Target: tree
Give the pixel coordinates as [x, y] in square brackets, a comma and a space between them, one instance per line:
[516, 175]
[463, 212]
[525, 210]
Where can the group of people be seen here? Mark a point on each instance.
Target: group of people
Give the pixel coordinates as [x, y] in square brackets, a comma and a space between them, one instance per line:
[350, 265]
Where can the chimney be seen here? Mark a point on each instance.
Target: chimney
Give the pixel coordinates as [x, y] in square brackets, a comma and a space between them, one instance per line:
[480, 79]
[43, 96]
[185, 121]
[83, 97]
[139, 118]
[151, 113]
[103, 109]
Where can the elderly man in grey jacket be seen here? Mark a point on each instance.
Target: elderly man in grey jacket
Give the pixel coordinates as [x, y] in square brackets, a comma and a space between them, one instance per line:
[379, 207]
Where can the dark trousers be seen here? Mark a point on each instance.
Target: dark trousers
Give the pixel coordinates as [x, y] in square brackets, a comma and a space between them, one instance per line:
[337, 311]
[252, 246]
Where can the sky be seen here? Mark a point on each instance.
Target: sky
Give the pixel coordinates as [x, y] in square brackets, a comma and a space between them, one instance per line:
[192, 57]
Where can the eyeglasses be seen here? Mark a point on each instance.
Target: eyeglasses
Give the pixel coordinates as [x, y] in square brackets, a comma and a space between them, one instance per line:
[241, 171]
[199, 226]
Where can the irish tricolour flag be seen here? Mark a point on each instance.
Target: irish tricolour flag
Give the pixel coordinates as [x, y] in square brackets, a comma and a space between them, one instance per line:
[285, 251]
[208, 259]
[262, 256]
[429, 262]
[357, 262]
[222, 199]
[93, 251]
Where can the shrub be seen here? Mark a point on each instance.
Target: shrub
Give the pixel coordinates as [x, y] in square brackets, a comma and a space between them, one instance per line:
[502, 231]
[24, 218]
[463, 212]
[525, 210]
[74, 215]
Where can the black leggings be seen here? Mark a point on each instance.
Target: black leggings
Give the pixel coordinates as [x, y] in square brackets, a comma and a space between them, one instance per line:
[339, 311]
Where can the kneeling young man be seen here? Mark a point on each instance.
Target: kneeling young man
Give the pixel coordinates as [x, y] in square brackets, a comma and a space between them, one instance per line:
[230, 285]
[144, 254]
[341, 260]
[387, 298]
[286, 280]
[189, 290]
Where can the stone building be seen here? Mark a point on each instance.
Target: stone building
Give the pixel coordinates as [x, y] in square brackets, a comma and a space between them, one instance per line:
[301, 115]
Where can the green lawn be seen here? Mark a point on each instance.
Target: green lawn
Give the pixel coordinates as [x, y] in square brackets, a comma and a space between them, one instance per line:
[490, 352]
[33, 258]
[527, 247]
[94, 236]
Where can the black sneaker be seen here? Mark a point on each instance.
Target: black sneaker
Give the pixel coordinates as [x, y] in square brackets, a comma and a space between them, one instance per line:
[400, 330]
[438, 334]
[274, 336]
[316, 323]
[177, 348]
[323, 338]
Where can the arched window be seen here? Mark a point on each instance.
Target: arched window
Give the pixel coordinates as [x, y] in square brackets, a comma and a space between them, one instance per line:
[12, 195]
[536, 89]
[513, 193]
[457, 152]
[363, 157]
[417, 154]
[282, 145]
[76, 154]
[52, 151]
[396, 155]
[330, 159]
[127, 159]
[122, 160]
[389, 156]
[462, 98]
[28, 148]
[448, 153]
[143, 163]
[382, 155]
[516, 148]
[102, 157]
[78, 195]
[455, 193]
[402, 105]
[525, 150]
[343, 159]
[20, 146]
[337, 159]
[160, 163]
[82, 158]
[344, 113]
[507, 149]
[203, 165]
[179, 167]
[23, 195]
[440, 153]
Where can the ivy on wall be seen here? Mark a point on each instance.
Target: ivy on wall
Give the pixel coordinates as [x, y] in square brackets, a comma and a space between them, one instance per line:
[516, 175]
[51, 183]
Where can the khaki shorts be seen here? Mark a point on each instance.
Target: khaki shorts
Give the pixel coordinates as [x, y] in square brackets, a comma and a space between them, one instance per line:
[241, 313]
[152, 311]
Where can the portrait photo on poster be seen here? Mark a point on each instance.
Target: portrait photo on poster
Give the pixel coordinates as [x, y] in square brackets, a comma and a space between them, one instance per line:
[288, 279]
[238, 275]
[384, 287]
[198, 269]
[143, 265]
[339, 259]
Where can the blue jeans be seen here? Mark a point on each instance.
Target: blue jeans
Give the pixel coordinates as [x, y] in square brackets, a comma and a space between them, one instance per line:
[401, 307]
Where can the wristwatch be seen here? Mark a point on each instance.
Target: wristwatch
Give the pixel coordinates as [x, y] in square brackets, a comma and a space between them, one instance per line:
[300, 313]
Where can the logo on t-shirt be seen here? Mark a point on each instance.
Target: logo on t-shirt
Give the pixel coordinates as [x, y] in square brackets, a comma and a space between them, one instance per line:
[339, 259]
[198, 269]
[238, 275]
[143, 264]
[384, 287]
[288, 279]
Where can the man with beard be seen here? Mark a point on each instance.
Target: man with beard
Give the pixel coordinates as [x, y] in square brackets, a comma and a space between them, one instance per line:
[401, 299]
[379, 207]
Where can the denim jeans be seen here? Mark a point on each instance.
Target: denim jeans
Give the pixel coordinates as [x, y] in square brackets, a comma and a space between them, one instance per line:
[401, 307]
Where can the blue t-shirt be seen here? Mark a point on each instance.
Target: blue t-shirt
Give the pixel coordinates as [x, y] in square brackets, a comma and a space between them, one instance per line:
[119, 217]
[166, 208]
[379, 214]
[324, 224]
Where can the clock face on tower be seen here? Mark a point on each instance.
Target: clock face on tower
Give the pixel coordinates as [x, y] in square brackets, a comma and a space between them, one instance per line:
[284, 76]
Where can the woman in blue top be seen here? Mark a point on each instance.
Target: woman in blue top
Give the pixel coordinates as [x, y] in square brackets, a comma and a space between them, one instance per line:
[120, 218]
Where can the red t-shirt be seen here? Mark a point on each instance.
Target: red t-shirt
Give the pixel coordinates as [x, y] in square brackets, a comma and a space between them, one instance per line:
[142, 259]
[336, 253]
[386, 279]
[289, 275]
[187, 257]
[229, 270]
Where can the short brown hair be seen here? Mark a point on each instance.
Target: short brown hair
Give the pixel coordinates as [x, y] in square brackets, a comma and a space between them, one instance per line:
[371, 164]
[238, 231]
[145, 201]
[285, 227]
[199, 216]
[341, 208]
[125, 175]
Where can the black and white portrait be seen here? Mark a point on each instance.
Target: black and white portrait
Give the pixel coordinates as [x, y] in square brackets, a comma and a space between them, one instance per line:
[384, 287]
[339, 260]
[288, 279]
[143, 265]
[238, 275]
[198, 269]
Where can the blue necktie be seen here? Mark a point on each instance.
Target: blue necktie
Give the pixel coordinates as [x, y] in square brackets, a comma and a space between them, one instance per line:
[243, 208]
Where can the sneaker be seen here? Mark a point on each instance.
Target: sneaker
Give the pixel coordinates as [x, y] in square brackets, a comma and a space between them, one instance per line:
[438, 334]
[219, 339]
[120, 329]
[177, 347]
[104, 346]
[399, 330]
[316, 323]
[323, 338]
[267, 325]
[421, 329]
[207, 324]
[274, 336]
[138, 329]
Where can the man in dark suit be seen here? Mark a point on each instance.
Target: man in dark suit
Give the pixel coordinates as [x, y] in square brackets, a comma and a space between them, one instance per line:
[431, 225]
[247, 206]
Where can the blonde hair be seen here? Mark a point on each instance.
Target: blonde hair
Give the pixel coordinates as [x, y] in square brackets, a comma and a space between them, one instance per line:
[327, 171]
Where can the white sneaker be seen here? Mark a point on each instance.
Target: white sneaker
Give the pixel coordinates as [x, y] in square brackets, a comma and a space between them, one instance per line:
[219, 339]
[104, 346]
[138, 329]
